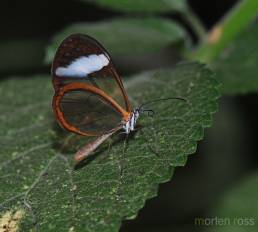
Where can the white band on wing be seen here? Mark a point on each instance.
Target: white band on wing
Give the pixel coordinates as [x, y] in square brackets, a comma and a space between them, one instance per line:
[83, 66]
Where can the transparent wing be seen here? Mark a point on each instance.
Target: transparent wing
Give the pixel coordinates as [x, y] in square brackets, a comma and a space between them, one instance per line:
[82, 59]
[85, 112]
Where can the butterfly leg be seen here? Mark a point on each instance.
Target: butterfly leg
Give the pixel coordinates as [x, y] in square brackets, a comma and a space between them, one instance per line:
[67, 142]
[110, 141]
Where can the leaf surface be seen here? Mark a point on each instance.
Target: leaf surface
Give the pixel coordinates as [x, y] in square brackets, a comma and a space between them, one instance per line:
[37, 173]
[237, 66]
[142, 6]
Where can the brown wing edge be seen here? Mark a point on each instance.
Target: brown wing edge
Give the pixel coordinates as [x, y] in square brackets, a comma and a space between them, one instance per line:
[120, 83]
[82, 86]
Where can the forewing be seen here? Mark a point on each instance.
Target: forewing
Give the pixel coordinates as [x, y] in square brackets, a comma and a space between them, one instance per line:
[81, 58]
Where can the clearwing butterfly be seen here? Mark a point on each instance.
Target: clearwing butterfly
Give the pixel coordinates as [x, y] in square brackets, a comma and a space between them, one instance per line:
[90, 98]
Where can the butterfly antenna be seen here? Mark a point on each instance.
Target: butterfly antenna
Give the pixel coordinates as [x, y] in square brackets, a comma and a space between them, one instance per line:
[150, 112]
[161, 99]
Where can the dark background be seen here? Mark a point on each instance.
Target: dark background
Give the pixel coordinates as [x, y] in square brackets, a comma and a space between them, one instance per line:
[228, 151]
[28, 26]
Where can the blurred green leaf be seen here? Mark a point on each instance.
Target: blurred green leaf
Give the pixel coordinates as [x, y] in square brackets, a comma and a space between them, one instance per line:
[147, 6]
[237, 65]
[37, 176]
[225, 31]
[126, 36]
[238, 208]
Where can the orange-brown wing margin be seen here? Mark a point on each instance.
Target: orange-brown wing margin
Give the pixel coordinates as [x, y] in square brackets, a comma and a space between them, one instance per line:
[106, 104]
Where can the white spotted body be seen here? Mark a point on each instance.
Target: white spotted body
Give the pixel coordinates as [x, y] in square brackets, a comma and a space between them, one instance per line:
[83, 66]
[130, 124]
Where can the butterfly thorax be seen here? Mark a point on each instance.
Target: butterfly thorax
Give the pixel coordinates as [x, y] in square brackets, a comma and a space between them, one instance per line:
[129, 125]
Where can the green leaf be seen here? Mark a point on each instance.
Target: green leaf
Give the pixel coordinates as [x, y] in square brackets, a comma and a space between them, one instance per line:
[238, 208]
[125, 36]
[225, 31]
[37, 174]
[237, 65]
[143, 6]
